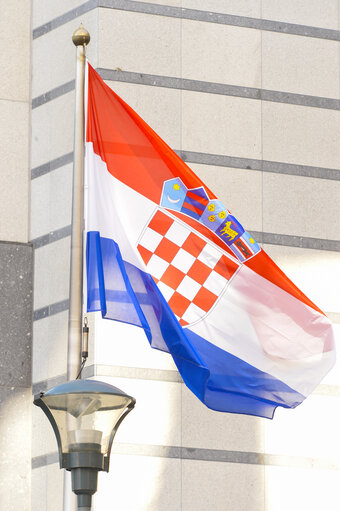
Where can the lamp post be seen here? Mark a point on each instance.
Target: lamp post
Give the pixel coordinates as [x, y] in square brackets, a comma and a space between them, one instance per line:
[85, 416]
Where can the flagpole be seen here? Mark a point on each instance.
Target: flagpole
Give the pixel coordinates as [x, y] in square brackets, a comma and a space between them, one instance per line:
[80, 39]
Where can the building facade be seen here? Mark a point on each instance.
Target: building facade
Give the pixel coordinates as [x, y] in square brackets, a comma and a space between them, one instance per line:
[16, 257]
[248, 93]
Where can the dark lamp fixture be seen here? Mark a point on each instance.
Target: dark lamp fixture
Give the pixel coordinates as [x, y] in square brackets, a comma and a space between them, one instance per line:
[85, 415]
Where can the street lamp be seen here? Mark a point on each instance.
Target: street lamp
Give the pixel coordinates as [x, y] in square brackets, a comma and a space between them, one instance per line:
[85, 416]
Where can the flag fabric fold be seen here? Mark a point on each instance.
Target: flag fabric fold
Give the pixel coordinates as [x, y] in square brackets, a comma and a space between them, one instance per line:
[164, 254]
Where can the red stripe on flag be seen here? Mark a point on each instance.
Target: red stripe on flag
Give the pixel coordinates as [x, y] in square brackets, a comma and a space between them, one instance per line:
[265, 266]
[197, 198]
[124, 141]
[187, 205]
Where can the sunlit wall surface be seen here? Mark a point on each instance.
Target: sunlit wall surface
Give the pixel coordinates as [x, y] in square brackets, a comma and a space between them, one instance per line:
[248, 92]
[16, 257]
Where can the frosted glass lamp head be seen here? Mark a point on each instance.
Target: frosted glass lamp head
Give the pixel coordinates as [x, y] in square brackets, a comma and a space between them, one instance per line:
[85, 415]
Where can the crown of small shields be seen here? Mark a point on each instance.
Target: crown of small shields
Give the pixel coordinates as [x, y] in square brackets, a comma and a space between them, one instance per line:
[195, 203]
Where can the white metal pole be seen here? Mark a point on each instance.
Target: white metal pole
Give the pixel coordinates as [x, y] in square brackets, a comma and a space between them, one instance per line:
[80, 38]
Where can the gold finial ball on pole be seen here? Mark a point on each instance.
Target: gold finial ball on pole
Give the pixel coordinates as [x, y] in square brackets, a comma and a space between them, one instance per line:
[81, 36]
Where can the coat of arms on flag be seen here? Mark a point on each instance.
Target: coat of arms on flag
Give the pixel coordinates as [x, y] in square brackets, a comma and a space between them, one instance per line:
[190, 271]
[195, 203]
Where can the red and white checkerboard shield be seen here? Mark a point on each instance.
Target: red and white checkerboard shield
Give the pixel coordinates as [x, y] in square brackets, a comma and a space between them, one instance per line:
[190, 271]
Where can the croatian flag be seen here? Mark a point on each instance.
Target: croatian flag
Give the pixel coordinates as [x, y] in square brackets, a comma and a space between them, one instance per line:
[163, 253]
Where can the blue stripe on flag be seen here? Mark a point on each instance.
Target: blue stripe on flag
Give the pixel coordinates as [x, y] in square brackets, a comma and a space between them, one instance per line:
[191, 213]
[195, 203]
[108, 286]
[220, 380]
[238, 387]
[200, 192]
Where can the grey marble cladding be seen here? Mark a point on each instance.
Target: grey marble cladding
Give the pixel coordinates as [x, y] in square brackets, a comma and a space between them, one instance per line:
[52, 94]
[286, 240]
[276, 167]
[52, 236]
[199, 454]
[16, 279]
[220, 88]
[172, 82]
[144, 373]
[51, 309]
[64, 18]
[51, 165]
[191, 14]
[219, 160]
